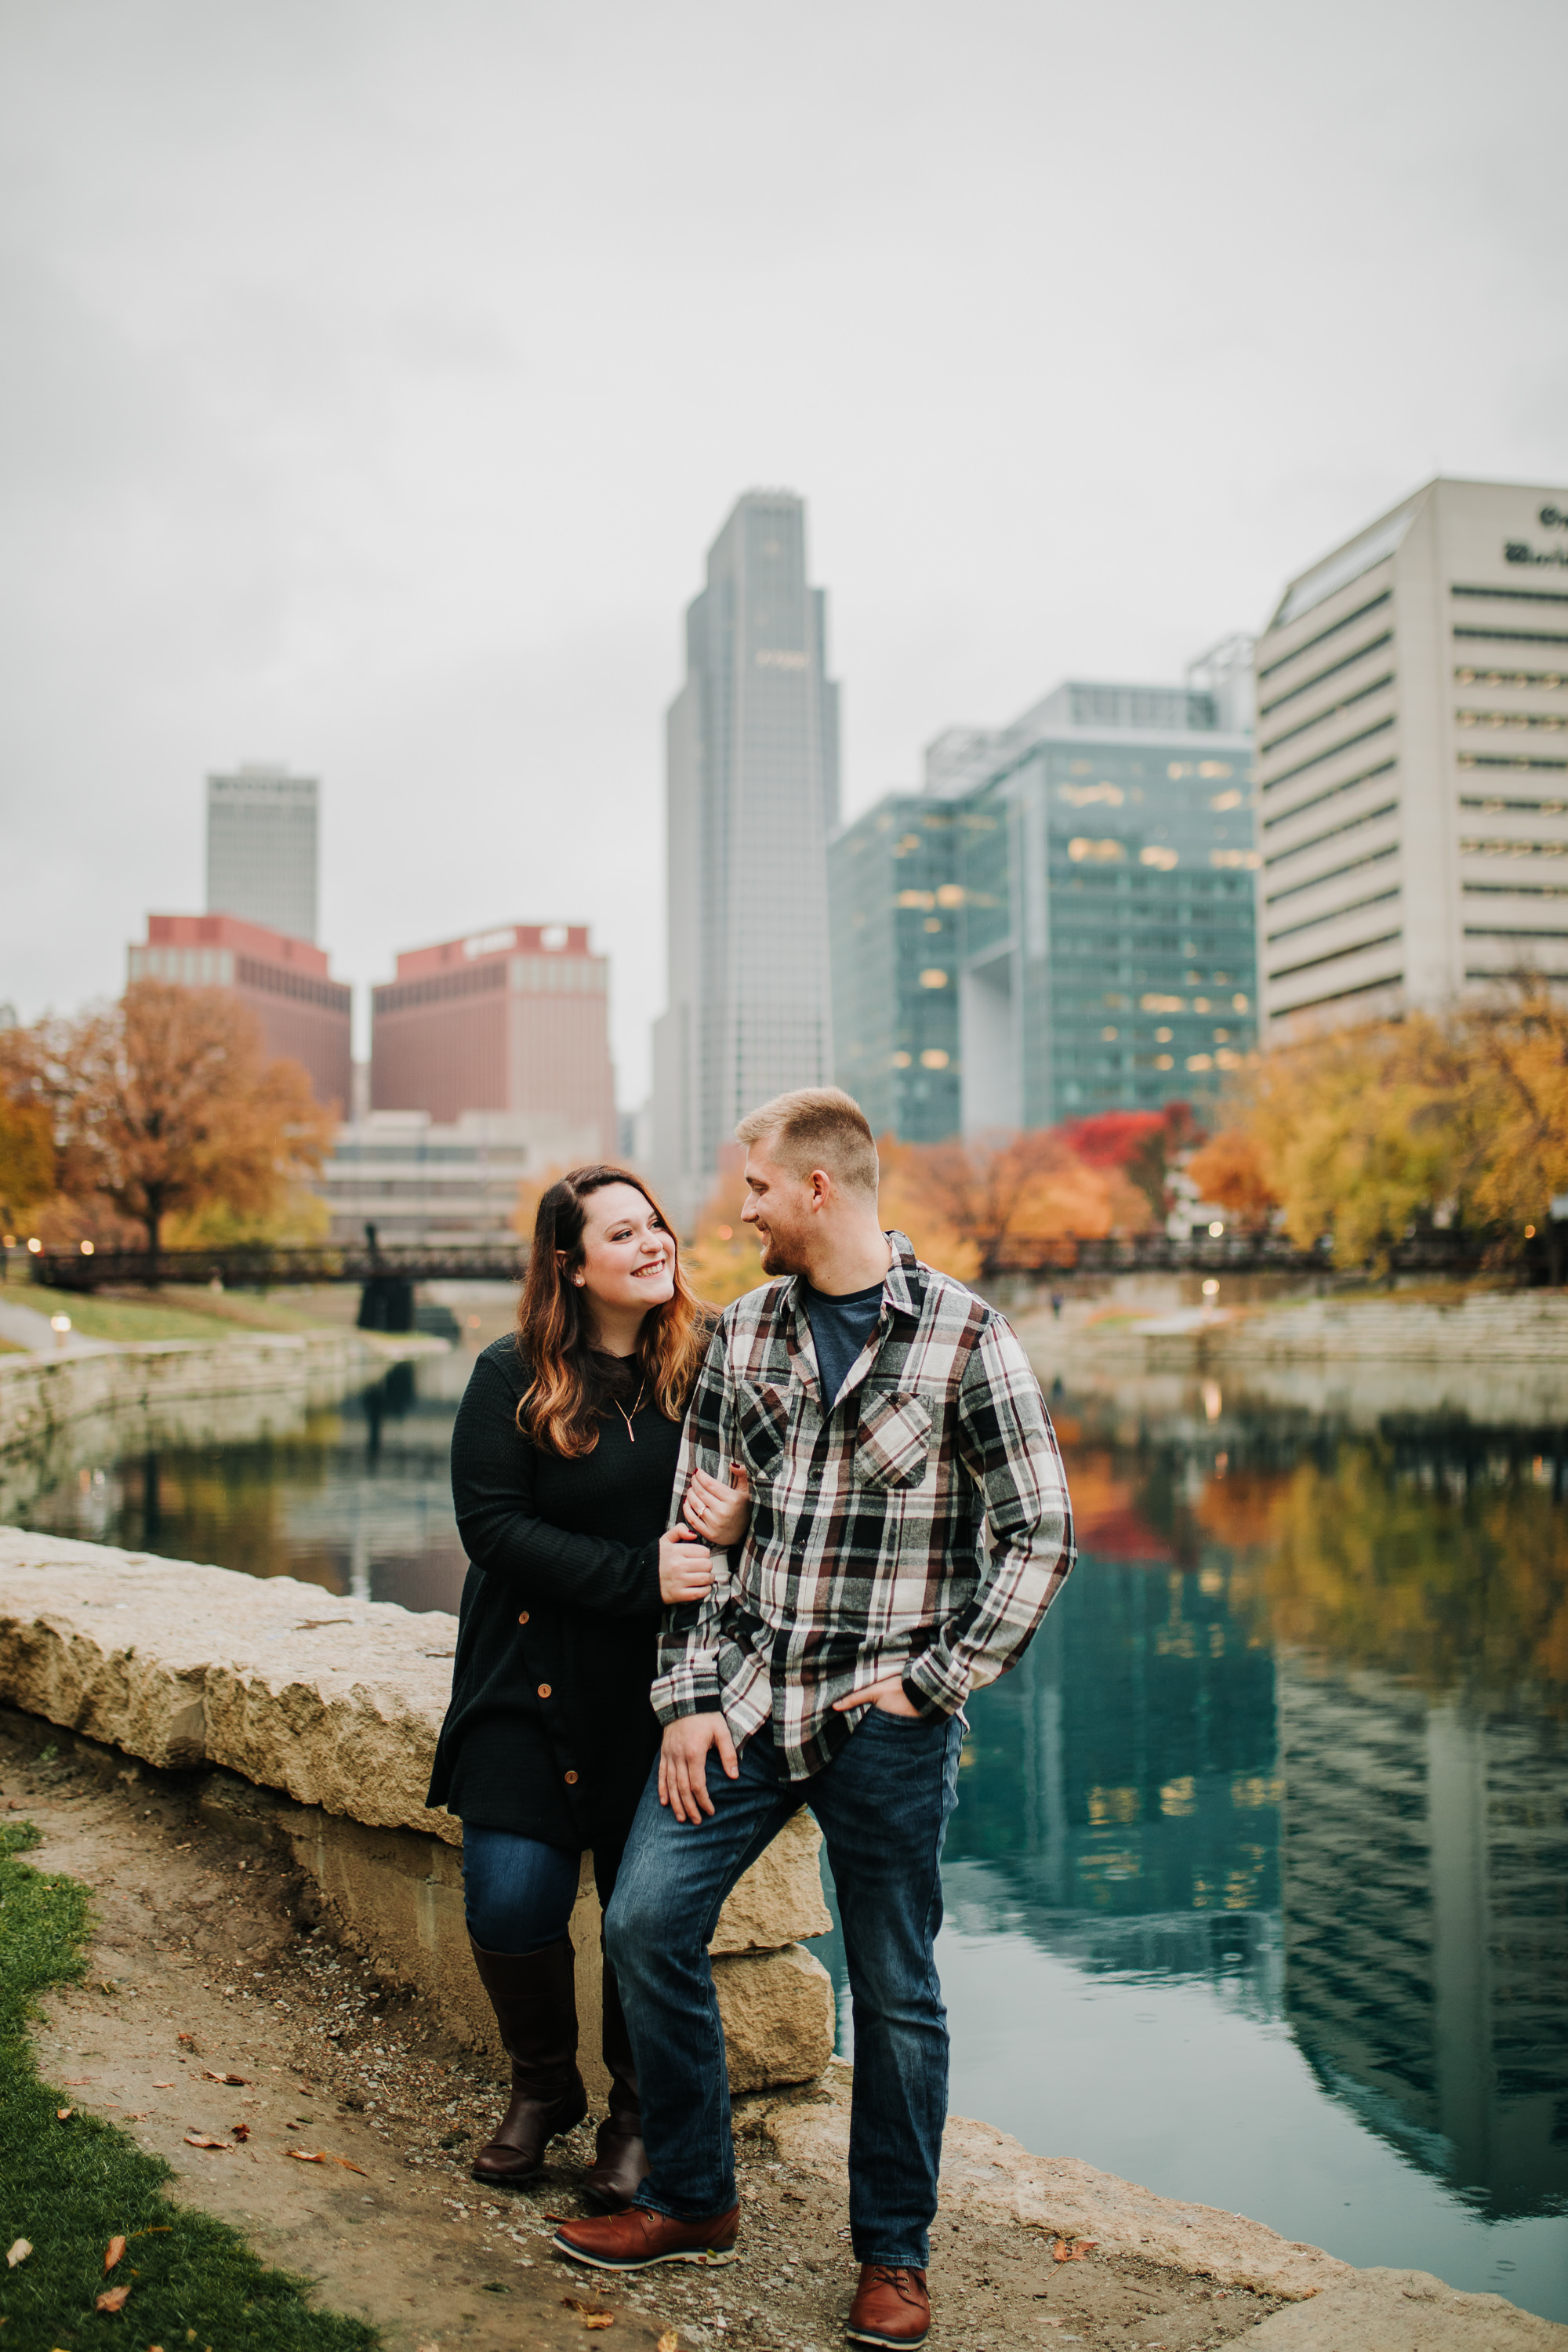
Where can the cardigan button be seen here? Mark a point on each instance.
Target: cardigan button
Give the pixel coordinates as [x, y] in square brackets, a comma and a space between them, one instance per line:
[522, 1618]
[544, 1690]
[571, 1779]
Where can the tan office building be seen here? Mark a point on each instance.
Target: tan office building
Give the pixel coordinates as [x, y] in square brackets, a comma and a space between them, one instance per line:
[1413, 760]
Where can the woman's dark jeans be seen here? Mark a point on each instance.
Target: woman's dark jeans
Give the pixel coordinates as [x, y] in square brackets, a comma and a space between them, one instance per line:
[883, 1804]
[518, 1892]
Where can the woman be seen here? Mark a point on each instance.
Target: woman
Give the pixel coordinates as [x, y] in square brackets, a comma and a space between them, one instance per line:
[562, 1463]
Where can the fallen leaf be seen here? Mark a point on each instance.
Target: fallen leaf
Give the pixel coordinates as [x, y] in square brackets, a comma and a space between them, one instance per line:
[64, 2114]
[1062, 2252]
[306, 2155]
[113, 2298]
[19, 2251]
[79, 2082]
[669, 2341]
[242, 2132]
[163, 2086]
[135, 2114]
[587, 2310]
[113, 2253]
[600, 2319]
[205, 2140]
[238, 2079]
[186, 2041]
[351, 2167]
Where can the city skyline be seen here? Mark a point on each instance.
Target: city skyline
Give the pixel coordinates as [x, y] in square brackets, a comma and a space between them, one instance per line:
[392, 463]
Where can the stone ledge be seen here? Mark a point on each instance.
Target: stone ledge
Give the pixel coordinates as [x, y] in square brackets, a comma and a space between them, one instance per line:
[335, 1702]
[1405, 2311]
[993, 2175]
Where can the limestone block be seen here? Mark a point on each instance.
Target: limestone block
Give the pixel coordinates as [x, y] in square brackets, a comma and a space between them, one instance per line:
[1405, 2311]
[336, 1702]
[780, 1897]
[778, 2010]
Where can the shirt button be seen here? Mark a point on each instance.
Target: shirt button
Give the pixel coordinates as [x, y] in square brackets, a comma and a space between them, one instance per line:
[522, 1620]
[571, 1779]
[544, 1690]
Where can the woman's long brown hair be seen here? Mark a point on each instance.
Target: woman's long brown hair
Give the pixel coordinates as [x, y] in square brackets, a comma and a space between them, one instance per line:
[561, 1407]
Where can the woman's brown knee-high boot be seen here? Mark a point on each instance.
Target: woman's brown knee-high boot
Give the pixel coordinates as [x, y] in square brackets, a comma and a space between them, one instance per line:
[535, 2004]
[620, 2162]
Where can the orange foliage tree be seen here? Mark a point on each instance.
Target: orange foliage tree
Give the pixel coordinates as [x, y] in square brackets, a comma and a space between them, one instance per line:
[1013, 1196]
[1230, 1171]
[166, 1103]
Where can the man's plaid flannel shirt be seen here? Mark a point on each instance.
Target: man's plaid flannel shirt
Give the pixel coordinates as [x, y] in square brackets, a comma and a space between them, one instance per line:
[922, 1526]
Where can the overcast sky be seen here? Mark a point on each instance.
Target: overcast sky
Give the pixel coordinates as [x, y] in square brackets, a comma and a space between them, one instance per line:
[372, 378]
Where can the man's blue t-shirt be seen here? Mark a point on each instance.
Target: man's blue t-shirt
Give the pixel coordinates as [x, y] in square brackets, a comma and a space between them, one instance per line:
[840, 1328]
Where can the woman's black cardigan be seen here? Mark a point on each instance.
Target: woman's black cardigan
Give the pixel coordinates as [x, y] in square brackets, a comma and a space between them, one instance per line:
[550, 1732]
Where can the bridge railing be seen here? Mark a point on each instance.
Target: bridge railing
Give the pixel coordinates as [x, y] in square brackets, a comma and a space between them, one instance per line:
[269, 1269]
[266, 1269]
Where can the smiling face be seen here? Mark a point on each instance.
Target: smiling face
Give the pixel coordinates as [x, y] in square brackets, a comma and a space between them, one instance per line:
[628, 1251]
[779, 1208]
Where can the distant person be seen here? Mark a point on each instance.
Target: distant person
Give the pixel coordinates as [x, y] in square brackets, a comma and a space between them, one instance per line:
[911, 1527]
[1057, 1304]
[563, 1457]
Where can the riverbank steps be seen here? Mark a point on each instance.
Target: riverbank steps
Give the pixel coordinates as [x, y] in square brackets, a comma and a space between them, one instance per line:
[314, 1719]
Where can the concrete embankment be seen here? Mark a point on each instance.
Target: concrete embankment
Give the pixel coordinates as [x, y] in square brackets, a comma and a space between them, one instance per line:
[1429, 1351]
[40, 1395]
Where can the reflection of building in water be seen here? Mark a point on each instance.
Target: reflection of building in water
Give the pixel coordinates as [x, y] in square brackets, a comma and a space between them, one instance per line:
[1122, 1779]
[1426, 1940]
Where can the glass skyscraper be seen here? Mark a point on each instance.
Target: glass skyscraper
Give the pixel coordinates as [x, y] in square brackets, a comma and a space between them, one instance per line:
[897, 926]
[752, 766]
[1101, 953]
[261, 848]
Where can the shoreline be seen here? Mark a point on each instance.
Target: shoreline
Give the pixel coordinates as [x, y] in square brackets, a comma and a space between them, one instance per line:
[209, 1956]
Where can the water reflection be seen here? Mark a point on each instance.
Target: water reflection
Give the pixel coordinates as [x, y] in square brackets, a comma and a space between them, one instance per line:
[352, 1493]
[1258, 1891]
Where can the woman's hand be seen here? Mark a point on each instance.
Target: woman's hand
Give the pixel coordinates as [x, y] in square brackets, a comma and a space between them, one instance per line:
[719, 1513]
[685, 1567]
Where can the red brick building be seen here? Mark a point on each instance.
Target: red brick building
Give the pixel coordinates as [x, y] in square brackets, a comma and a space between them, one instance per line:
[516, 1019]
[304, 1016]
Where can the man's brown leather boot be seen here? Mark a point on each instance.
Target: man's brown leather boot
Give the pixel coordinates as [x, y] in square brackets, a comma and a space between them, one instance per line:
[535, 2004]
[890, 2306]
[620, 2162]
[635, 2239]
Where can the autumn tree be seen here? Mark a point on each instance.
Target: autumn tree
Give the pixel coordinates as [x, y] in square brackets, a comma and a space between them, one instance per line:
[166, 1104]
[1517, 1068]
[1015, 1196]
[1142, 1144]
[1229, 1171]
[26, 1150]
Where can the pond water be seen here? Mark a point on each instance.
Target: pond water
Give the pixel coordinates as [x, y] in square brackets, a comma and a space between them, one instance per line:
[1257, 1889]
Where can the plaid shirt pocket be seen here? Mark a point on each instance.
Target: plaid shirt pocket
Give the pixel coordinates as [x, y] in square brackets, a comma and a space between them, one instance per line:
[892, 1444]
[762, 1424]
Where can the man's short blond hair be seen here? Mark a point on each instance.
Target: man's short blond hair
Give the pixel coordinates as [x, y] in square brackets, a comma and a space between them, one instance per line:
[817, 1126]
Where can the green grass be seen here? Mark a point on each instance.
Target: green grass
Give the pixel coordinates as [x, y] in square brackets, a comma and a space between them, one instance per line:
[131, 1318]
[71, 2187]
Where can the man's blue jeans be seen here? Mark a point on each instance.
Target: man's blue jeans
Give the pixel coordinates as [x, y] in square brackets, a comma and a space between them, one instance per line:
[883, 1804]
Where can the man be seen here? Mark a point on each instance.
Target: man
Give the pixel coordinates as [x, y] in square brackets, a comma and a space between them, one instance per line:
[909, 1526]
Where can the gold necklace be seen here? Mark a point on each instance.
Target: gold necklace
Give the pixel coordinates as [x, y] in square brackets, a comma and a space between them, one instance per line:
[627, 1416]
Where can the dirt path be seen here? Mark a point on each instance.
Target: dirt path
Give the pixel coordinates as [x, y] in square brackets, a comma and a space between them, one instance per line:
[210, 1959]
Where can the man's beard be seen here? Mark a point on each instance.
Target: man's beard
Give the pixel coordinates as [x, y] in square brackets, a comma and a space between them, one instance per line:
[777, 1257]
